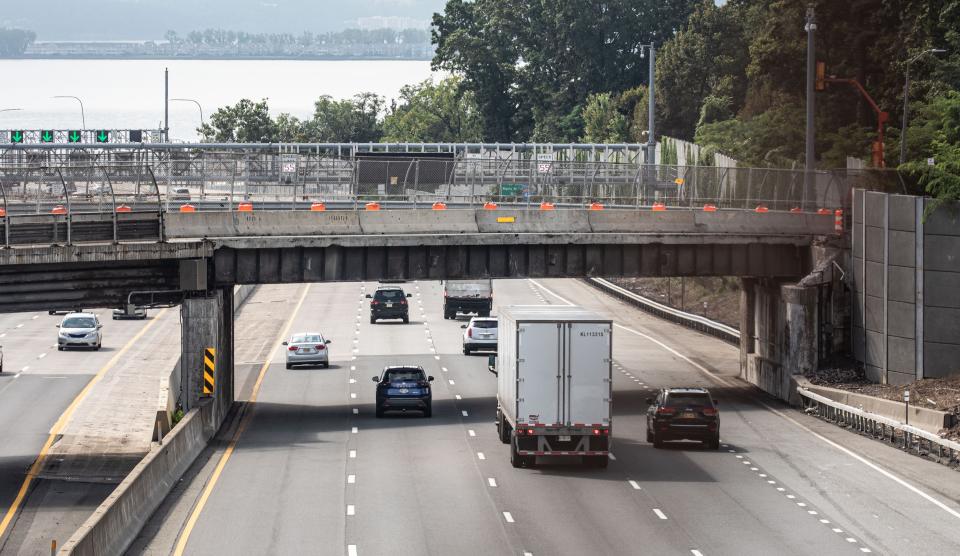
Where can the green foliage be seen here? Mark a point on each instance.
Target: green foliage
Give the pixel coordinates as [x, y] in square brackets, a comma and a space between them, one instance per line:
[602, 121]
[14, 42]
[770, 139]
[244, 122]
[434, 112]
[533, 64]
[939, 125]
[356, 120]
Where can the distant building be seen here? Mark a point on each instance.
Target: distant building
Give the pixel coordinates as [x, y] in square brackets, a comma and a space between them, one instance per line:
[395, 22]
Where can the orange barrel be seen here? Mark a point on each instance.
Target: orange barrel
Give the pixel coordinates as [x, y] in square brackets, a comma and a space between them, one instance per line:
[124, 208]
[546, 206]
[596, 206]
[489, 206]
[245, 206]
[188, 208]
[318, 207]
[838, 221]
[373, 206]
[796, 209]
[709, 208]
[658, 207]
[59, 209]
[824, 211]
[3, 212]
[761, 208]
[439, 206]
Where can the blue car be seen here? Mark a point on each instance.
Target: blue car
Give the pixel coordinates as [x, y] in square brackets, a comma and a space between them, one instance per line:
[404, 388]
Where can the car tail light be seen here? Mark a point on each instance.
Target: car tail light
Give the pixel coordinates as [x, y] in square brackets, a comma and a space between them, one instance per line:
[531, 431]
[403, 302]
[710, 411]
[469, 333]
[321, 347]
[292, 348]
[596, 432]
[666, 410]
[374, 302]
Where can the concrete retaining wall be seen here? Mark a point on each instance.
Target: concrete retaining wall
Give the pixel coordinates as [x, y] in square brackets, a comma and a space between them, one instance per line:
[118, 520]
[906, 270]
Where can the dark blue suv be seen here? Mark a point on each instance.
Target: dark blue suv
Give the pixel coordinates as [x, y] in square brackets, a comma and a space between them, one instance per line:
[402, 389]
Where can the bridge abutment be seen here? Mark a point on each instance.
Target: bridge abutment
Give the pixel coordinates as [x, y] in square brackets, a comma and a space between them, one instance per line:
[207, 322]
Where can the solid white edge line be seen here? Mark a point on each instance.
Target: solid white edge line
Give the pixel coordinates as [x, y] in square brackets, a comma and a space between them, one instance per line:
[659, 513]
[868, 463]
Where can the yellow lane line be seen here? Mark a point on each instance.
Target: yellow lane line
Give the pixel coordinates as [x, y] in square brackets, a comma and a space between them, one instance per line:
[62, 423]
[247, 418]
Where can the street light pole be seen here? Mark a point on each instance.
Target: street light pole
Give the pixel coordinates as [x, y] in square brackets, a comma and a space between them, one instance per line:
[811, 29]
[83, 116]
[651, 96]
[193, 101]
[10, 109]
[906, 101]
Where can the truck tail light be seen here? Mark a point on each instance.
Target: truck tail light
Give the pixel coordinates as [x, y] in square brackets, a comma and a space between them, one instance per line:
[530, 431]
[601, 432]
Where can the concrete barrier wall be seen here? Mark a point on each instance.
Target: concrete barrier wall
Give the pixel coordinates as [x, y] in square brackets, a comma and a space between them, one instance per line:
[532, 221]
[906, 270]
[451, 221]
[118, 520]
[184, 225]
[930, 420]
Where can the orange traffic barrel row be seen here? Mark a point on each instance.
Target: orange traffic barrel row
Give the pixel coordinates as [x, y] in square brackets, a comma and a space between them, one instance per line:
[596, 206]
[547, 206]
[489, 206]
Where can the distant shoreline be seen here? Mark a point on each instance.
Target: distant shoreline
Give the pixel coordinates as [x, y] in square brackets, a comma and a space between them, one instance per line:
[221, 58]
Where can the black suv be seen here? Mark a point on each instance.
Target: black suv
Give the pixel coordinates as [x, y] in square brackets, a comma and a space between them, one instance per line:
[683, 414]
[389, 302]
[403, 388]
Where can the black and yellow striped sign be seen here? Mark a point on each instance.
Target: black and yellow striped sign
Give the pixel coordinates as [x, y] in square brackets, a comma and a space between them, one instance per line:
[209, 365]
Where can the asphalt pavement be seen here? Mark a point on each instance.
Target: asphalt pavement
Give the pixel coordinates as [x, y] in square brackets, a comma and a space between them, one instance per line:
[311, 470]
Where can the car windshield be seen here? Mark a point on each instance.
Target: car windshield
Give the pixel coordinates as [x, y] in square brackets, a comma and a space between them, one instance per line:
[403, 375]
[484, 324]
[684, 400]
[389, 294]
[306, 339]
[79, 322]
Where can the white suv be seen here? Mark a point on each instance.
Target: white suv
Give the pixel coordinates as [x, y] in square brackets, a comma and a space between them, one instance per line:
[79, 330]
[480, 333]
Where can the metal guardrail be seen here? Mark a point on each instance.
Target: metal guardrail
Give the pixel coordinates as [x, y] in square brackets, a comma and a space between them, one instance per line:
[907, 437]
[689, 320]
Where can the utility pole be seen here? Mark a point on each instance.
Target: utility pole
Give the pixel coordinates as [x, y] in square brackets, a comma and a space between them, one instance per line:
[651, 116]
[166, 105]
[811, 29]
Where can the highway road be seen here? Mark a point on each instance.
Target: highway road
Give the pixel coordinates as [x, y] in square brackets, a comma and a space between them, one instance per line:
[38, 385]
[311, 470]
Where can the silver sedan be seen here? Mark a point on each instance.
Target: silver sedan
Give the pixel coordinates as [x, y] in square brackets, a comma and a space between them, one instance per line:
[307, 348]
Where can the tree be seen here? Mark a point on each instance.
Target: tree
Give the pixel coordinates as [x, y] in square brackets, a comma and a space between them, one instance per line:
[938, 127]
[434, 112]
[244, 122]
[356, 120]
[602, 121]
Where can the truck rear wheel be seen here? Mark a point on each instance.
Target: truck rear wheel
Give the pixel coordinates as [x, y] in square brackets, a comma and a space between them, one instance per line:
[516, 459]
[503, 427]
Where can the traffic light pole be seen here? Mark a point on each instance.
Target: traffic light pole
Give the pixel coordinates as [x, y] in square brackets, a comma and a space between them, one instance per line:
[811, 29]
[166, 105]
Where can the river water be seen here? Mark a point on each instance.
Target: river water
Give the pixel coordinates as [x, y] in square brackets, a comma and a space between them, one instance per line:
[128, 94]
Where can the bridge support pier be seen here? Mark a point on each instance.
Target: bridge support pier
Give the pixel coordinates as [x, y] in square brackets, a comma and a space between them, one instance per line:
[207, 322]
[779, 324]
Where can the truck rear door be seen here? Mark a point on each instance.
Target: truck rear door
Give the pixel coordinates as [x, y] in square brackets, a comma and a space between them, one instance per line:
[587, 368]
[538, 372]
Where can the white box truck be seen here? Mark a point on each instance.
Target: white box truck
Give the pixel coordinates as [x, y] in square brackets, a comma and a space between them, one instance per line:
[554, 383]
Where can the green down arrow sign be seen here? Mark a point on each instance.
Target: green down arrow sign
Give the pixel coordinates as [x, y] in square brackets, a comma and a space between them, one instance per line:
[102, 136]
[74, 136]
[17, 136]
[46, 136]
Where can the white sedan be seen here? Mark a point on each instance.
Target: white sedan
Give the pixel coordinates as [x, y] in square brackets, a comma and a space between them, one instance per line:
[307, 348]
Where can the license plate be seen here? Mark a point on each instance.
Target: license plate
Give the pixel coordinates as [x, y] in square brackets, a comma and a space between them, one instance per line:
[485, 335]
[389, 305]
[404, 390]
[564, 438]
[688, 415]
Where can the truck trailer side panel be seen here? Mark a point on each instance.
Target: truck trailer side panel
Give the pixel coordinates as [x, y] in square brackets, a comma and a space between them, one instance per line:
[538, 363]
[588, 384]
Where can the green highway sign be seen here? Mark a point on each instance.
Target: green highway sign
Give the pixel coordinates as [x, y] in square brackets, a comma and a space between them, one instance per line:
[103, 136]
[74, 136]
[46, 136]
[16, 136]
[511, 189]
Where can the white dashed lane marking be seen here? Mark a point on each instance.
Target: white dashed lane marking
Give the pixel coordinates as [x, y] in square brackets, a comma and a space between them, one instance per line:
[464, 413]
[351, 509]
[353, 454]
[481, 456]
[492, 482]
[659, 513]
[41, 356]
[634, 484]
[472, 432]
[351, 550]
[354, 430]
[356, 411]
[351, 479]
[696, 552]
[508, 517]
